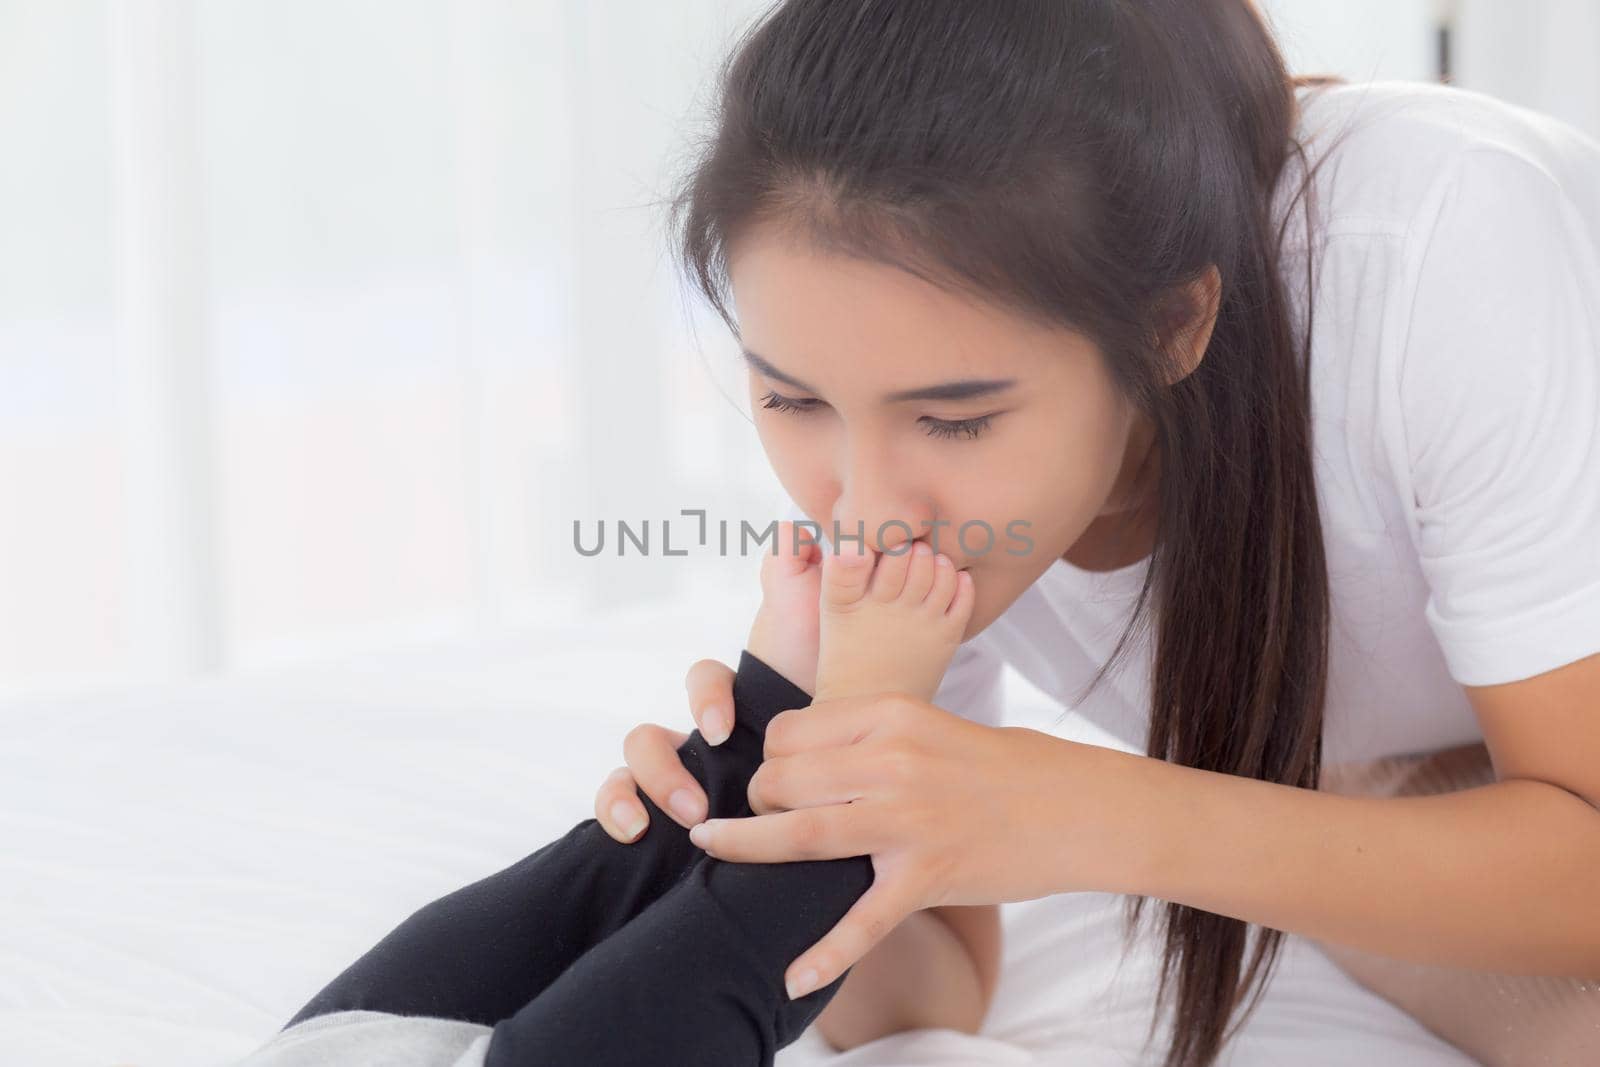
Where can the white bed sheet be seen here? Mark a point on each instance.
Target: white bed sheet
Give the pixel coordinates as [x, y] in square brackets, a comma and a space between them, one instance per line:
[181, 868]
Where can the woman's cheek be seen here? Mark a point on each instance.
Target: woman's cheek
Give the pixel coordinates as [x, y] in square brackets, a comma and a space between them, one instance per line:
[794, 464]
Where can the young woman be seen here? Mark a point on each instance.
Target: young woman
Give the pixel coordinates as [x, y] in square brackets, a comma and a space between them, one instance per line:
[1298, 388]
[1292, 390]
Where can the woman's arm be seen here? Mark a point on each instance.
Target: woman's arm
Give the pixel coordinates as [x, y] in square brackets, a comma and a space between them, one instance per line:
[1500, 878]
[938, 968]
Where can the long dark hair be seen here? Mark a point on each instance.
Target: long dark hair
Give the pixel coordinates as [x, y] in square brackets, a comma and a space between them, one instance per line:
[1078, 161]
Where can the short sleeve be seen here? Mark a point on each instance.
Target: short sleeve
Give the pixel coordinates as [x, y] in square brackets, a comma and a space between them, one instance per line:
[1500, 400]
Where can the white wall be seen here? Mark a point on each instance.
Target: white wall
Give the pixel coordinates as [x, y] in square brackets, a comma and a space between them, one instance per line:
[1542, 54]
[1363, 40]
[321, 321]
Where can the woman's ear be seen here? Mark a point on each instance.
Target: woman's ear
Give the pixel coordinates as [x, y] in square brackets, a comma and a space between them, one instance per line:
[1186, 319]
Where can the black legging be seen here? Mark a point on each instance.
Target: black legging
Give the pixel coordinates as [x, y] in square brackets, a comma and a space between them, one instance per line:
[594, 952]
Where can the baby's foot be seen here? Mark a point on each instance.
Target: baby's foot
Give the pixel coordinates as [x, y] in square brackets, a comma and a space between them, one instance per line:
[889, 623]
[784, 635]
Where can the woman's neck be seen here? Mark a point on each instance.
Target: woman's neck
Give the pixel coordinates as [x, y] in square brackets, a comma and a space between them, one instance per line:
[1125, 531]
[1114, 541]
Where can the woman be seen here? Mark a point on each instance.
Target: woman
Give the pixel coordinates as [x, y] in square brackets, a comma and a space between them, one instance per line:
[1038, 267]
[1343, 459]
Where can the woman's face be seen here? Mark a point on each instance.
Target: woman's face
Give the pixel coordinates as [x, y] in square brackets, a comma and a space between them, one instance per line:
[881, 397]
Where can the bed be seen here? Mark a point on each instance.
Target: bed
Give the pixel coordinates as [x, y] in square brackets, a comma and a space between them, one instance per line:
[181, 867]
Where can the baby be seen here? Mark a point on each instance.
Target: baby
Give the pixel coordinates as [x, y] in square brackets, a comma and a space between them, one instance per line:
[590, 951]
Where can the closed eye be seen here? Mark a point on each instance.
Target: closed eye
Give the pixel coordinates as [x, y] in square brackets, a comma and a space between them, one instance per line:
[943, 428]
[784, 403]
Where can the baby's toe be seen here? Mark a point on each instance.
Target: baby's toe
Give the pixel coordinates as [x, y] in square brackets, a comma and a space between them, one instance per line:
[959, 612]
[919, 575]
[943, 589]
[846, 572]
[889, 576]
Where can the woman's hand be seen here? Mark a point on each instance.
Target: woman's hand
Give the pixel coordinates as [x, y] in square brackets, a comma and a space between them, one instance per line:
[651, 753]
[950, 811]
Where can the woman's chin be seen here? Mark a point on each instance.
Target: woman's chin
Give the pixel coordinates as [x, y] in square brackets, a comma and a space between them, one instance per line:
[986, 608]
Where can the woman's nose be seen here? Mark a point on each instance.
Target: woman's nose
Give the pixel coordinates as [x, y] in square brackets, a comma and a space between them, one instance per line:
[883, 522]
[877, 502]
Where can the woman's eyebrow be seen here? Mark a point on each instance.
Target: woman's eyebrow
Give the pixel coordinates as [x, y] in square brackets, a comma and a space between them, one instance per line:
[964, 389]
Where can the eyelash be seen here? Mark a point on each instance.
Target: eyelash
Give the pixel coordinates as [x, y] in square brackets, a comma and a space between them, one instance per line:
[943, 428]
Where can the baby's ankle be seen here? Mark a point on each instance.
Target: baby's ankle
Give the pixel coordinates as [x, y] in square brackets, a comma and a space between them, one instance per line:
[784, 634]
[786, 644]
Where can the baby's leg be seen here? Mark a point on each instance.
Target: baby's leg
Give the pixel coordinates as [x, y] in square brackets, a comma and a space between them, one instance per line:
[482, 952]
[697, 978]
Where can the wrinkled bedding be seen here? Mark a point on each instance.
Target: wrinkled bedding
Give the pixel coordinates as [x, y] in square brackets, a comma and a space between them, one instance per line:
[181, 867]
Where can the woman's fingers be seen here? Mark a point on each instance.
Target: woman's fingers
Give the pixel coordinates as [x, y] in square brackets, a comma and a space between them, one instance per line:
[870, 919]
[825, 833]
[710, 686]
[652, 755]
[814, 779]
[654, 768]
[617, 807]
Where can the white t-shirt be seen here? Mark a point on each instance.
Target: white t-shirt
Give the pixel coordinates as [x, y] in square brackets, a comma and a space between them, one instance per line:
[1456, 422]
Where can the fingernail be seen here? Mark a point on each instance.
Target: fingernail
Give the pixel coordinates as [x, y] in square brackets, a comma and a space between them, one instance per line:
[628, 819]
[714, 726]
[700, 834]
[803, 983]
[686, 805]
